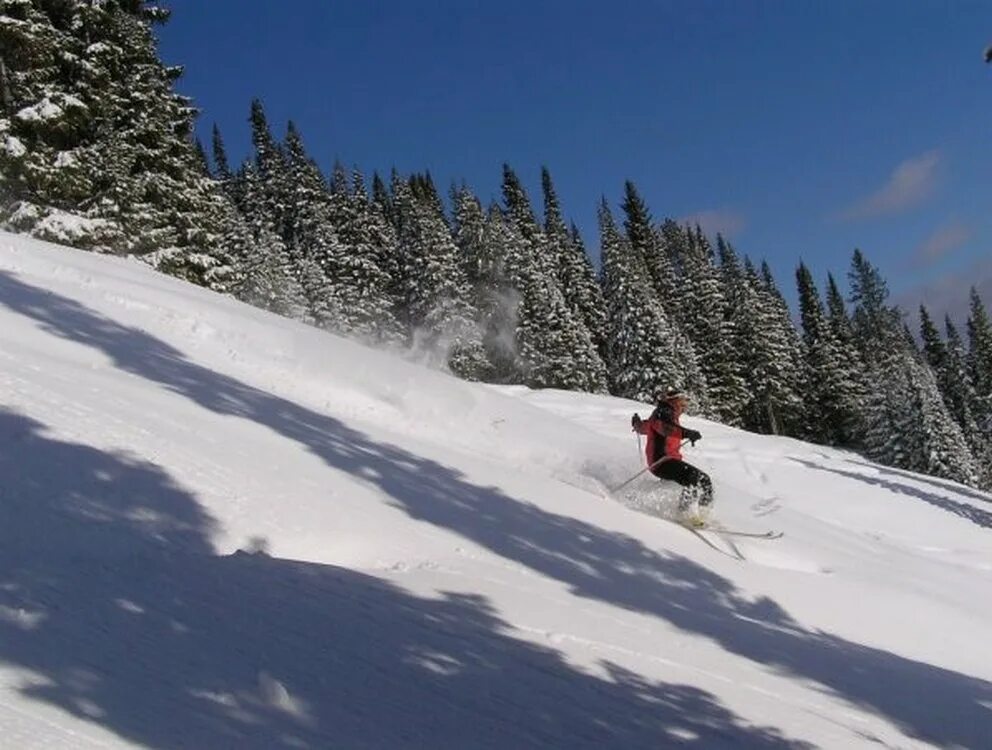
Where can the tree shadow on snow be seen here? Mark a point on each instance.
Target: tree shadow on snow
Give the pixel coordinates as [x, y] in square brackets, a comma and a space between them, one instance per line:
[926, 702]
[111, 595]
[977, 516]
[941, 484]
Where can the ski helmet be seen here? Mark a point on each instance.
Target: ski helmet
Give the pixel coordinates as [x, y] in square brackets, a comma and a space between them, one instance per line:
[671, 393]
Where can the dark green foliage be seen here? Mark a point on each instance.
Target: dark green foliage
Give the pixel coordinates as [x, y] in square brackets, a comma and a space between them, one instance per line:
[907, 422]
[645, 242]
[834, 393]
[554, 346]
[980, 358]
[438, 298]
[646, 351]
[575, 273]
[705, 314]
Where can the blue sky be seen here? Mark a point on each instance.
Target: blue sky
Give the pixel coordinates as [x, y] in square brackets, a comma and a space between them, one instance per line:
[801, 129]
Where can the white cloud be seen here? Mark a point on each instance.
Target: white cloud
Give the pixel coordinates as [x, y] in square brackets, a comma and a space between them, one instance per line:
[941, 243]
[726, 222]
[911, 183]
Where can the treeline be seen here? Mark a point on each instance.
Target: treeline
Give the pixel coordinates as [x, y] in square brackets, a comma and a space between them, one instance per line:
[96, 151]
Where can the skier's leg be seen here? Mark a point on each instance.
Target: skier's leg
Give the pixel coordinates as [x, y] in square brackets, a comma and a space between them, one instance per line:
[668, 471]
[681, 473]
[697, 495]
[702, 480]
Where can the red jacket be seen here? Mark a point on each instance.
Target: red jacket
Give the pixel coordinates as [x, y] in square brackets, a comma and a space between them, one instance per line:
[664, 433]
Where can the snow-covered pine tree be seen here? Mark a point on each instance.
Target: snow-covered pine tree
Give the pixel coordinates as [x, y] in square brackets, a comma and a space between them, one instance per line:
[222, 165]
[873, 320]
[289, 195]
[907, 423]
[833, 396]
[576, 276]
[851, 371]
[438, 297]
[959, 394]
[49, 165]
[646, 243]
[941, 448]
[268, 280]
[222, 171]
[705, 317]
[818, 353]
[386, 249]
[98, 147]
[555, 348]
[361, 287]
[935, 352]
[645, 350]
[382, 199]
[980, 360]
[500, 307]
[593, 308]
[771, 357]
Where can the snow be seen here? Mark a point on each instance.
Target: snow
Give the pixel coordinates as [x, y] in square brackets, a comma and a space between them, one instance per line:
[14, 147]
[219, 528]
[55, 223]
[44, 110]
[65, 159]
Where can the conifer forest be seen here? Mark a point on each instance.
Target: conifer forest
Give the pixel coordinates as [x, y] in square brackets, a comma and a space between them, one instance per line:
[97, 152]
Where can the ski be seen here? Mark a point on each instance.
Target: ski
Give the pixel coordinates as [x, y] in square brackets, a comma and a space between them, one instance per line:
[696, 531]
[716, 529]
[746, 534]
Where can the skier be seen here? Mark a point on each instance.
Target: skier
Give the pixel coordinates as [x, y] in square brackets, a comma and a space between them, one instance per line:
[665, 435]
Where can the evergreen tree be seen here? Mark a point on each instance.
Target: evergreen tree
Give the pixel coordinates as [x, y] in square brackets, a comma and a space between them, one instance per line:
[875, 323]
[771, 357]
[499, 299]
[293, 198]
[99, 149]
[833, 395]
[851, 371]
[953, 381]
[469, 233]
[438, 297]
[959, 390]
[382, 199]
[645, 350]
[222, 166]
[645, 242]
[909, 426]
[907, 423]
[575, 273]
[707, 320]
[962, 400]
[270, 280]
[980, 360]
[386, 250]
[555, 348]
[361, 285]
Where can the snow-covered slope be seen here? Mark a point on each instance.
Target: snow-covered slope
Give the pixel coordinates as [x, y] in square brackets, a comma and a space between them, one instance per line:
[222, 529]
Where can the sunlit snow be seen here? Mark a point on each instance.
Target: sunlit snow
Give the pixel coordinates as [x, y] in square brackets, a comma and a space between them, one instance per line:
[222, 529]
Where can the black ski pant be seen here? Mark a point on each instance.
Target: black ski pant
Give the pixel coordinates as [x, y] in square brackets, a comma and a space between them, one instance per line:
[686, 475]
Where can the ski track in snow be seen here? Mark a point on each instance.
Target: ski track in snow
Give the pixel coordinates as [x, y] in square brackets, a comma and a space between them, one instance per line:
[221, 529]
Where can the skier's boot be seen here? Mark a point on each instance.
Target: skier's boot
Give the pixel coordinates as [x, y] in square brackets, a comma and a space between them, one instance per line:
[692, 511]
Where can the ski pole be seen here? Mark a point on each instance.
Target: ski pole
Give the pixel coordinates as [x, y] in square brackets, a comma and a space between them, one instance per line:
[650, 466]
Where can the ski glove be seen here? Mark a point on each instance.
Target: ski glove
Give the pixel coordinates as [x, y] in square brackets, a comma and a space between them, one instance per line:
[691, 435]
[635, 421]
